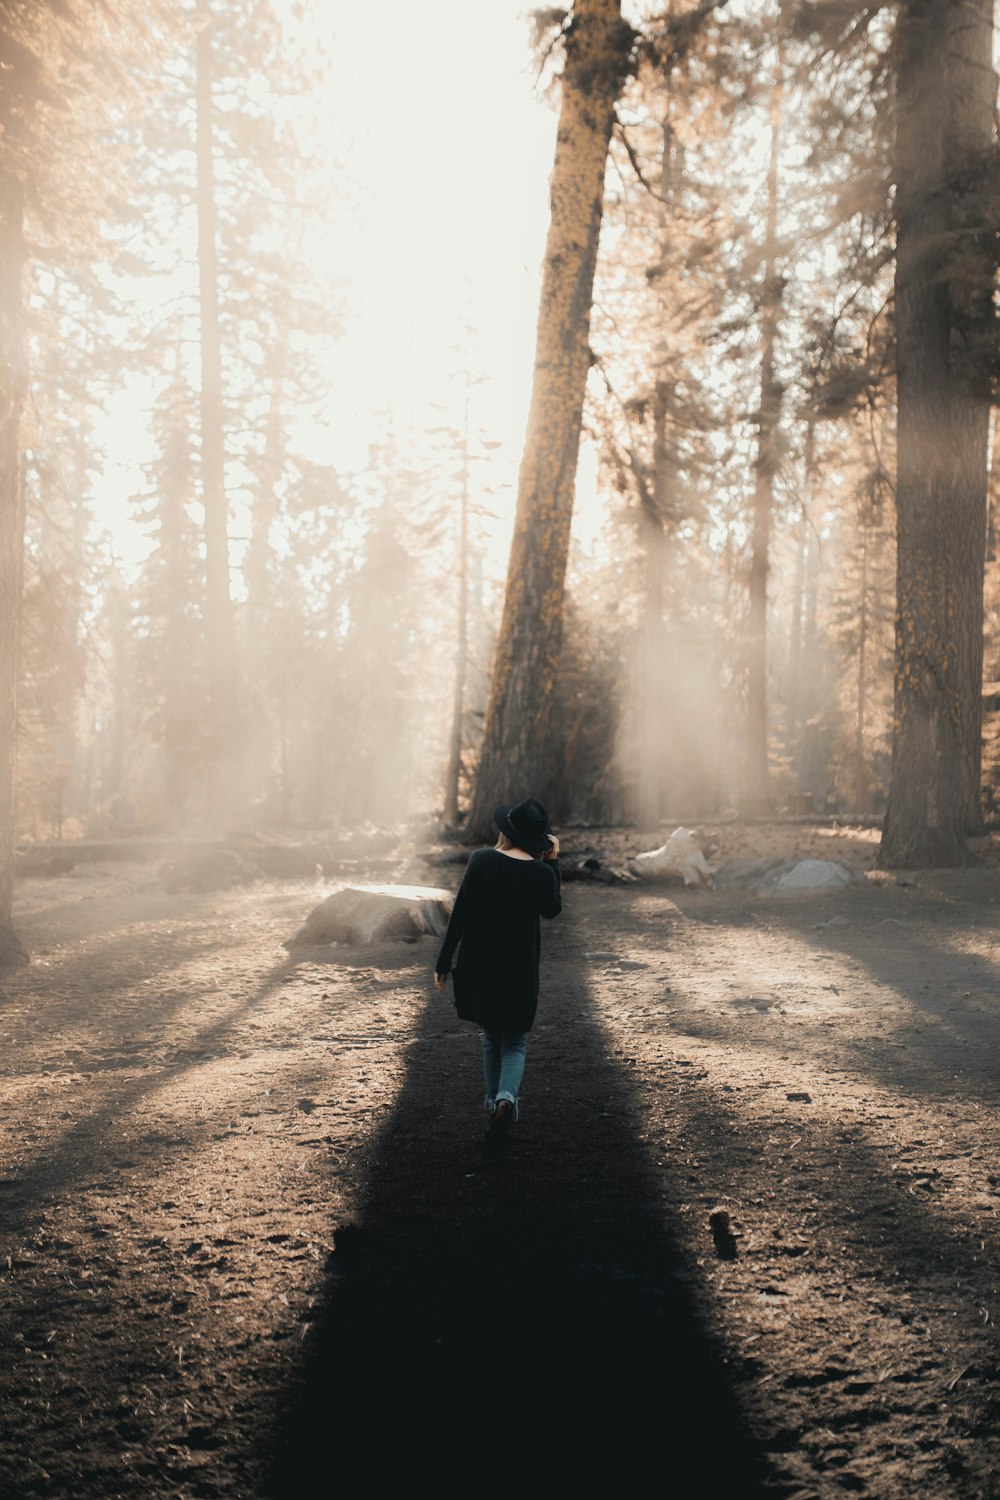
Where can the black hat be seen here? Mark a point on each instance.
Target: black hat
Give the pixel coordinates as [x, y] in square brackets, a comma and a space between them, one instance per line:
[526, 825]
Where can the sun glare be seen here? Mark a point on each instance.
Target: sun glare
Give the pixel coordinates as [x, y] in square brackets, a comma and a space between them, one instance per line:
[437, 150]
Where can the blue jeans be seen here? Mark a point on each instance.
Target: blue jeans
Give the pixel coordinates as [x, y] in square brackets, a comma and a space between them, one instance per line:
[503, 1065]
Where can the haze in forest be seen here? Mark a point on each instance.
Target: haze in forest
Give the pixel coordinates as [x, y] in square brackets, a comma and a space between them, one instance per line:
[335, 514]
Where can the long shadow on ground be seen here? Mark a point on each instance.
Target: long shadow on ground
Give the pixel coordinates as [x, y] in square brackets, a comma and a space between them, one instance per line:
[496, 1326]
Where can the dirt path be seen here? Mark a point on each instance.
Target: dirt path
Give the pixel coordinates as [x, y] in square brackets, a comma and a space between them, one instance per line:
[248, 1241]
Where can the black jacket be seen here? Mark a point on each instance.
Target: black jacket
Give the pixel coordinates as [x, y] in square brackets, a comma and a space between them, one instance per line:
[495, 919]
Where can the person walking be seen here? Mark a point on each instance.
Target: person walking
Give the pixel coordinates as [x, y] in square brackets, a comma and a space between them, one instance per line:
[494, 924]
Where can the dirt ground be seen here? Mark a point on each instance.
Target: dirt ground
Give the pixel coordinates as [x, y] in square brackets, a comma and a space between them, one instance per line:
[250, 1246]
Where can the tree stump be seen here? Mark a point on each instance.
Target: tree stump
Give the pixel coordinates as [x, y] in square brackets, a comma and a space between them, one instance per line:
[365, 913]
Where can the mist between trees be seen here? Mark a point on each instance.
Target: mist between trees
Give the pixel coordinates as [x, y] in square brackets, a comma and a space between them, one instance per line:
[767, 311]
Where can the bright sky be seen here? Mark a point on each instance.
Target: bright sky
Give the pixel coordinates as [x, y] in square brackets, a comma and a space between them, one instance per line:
[430, 117]
[449, 150]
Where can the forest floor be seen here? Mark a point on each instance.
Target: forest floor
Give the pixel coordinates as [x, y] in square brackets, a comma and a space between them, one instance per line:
[250, 1246]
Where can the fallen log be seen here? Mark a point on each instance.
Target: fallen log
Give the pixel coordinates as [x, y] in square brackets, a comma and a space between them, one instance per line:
[215, 869]
[590, 866]
[366, 913]
[679, 858]
[41, 862]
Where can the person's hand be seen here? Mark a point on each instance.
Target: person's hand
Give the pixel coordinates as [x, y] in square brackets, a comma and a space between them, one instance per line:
[552, 853]
[440, 980]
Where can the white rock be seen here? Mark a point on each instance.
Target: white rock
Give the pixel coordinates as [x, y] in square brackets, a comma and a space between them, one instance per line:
[814, 875]
[363, 914]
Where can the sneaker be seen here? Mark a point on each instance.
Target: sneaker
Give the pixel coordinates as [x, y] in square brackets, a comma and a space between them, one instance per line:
[503, 1116]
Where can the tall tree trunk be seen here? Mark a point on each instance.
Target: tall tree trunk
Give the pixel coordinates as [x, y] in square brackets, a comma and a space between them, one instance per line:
[462, 643]
[860, 772]
[796, 632]
[516, 738]
[218, 604]
[265, 510]
[13, 387]
[262, 772]
[649, 691]
[971, 165]
[650, 714]
[756, 787]
[173, 498]
[119, 641]
[795, 638]
[942, 300]
[652, 666]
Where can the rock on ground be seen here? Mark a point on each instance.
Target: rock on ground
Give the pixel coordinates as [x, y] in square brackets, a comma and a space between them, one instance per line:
[364, 914]
[788, 877]
[810, 875]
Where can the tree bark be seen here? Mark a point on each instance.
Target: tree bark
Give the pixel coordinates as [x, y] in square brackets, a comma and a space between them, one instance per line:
[756, 796]
[516, 737]
[219, 622]
[968, 151]
[942, 292]
[13, 388]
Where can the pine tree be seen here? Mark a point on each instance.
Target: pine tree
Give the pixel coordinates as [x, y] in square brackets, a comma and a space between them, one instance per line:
[220, 628]
[63, 72]
[945, 97]
[168, 665]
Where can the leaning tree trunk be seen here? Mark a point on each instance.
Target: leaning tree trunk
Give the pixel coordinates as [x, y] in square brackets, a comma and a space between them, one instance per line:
[941, 295]
[516, 737]
[220, 629]
[13, 387]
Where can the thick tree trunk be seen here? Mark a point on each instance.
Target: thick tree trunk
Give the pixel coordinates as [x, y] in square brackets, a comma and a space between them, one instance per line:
[13, 386]
[220, 627]
[516, 739]
[968, 149]
[942, 299]
[756, 796]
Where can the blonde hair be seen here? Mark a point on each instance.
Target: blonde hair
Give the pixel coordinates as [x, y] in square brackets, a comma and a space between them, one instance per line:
[503, 842]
